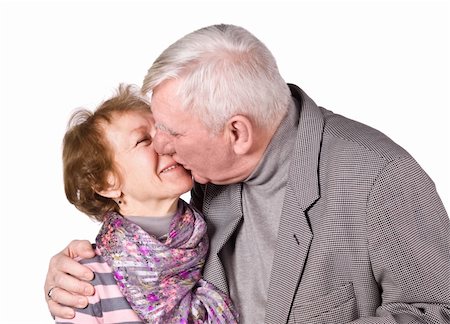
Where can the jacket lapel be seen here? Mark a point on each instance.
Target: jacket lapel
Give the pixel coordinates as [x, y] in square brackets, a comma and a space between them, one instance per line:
[221, 225]
[294, 234]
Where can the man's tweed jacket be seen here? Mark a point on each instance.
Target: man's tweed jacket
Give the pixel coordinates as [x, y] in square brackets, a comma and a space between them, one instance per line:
[363, 234]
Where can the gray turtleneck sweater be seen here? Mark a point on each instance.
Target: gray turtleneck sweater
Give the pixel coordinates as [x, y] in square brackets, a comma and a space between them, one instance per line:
[248, 258]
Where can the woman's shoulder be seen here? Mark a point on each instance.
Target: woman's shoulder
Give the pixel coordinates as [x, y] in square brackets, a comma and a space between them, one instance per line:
[103, 274]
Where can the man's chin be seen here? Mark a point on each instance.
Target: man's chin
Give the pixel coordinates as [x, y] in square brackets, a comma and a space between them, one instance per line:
[199, 179]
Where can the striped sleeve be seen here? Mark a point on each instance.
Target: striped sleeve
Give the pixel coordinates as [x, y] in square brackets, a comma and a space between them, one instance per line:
[107, 305]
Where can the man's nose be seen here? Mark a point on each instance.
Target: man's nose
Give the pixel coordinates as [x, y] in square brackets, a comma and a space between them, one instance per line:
[163, 144]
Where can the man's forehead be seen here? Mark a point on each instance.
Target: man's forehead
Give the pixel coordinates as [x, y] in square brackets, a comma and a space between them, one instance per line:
[163, 108]
[165, 94]
[164, 116]
[168, 111]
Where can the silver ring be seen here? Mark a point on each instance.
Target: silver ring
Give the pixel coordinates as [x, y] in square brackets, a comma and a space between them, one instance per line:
[50, 292]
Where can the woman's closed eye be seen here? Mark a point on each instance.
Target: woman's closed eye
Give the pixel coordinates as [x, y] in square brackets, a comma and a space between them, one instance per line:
[144, 140]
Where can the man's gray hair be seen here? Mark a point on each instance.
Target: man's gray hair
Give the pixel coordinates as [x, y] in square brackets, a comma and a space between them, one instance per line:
[225, 71]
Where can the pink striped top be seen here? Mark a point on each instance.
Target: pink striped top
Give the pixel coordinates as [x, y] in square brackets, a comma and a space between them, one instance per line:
[107, 305]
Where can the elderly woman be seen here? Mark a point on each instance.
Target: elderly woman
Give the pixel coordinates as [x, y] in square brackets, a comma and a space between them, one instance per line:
[152, 245]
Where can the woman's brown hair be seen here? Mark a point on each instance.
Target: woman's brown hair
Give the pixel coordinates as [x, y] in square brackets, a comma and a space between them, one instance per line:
[88, 159]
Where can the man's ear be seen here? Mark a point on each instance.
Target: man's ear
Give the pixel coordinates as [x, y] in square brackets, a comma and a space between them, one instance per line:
[240, 130]
[113, 191]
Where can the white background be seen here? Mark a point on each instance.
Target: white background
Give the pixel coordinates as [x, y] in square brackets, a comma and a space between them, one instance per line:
[383, 63]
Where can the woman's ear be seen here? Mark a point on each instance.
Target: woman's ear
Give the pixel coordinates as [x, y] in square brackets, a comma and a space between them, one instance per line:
[240, 131]
[113, 191]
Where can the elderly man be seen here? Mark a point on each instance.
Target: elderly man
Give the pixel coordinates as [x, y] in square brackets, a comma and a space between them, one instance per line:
[313, 218]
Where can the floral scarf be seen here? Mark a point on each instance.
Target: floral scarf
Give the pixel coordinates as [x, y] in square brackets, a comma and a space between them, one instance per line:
[161, 280]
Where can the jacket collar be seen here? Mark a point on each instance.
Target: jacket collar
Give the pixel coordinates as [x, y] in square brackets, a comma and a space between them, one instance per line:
[294, 235]
[302, 191]
[304, 169]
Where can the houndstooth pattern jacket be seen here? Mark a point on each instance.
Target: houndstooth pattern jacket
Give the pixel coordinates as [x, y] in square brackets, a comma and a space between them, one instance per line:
[363, 236]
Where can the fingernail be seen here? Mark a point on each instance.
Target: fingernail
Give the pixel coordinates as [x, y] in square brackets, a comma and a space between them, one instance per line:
[88, 291]
[82, 303]
[87, 276]
[69, 313]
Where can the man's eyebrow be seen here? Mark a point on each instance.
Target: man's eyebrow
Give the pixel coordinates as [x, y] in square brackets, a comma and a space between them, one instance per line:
[164, 128]
[161, 127]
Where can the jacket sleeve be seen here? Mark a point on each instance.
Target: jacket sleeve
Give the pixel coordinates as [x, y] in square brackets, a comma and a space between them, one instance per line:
[409, 246]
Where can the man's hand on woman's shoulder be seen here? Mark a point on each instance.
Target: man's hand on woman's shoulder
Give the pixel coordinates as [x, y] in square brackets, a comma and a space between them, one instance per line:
[65, 285]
